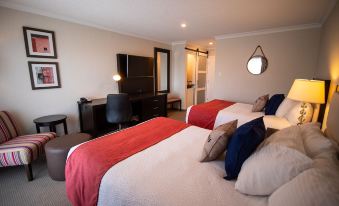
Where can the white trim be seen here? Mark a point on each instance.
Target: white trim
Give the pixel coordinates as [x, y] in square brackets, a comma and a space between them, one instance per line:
[268, 31]
[19, 7]
[178, 42]
[328, 11]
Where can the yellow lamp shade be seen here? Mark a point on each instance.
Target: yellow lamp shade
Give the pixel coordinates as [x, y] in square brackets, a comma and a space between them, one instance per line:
[312, 91]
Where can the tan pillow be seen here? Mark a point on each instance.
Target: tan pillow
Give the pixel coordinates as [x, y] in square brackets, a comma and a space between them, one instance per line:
[217, 141]
[289, 137]
[260, 103]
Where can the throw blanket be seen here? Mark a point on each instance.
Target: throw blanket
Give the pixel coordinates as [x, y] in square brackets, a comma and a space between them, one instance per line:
[89, 162]
[204, 115]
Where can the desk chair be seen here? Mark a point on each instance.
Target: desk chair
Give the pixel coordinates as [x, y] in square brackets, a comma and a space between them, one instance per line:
[118, 109]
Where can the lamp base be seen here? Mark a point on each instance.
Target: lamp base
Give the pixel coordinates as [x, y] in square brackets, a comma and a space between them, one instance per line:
[301, 118]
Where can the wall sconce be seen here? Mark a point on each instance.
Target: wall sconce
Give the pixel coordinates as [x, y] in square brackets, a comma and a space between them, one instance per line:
[257, 64]
[116, 77]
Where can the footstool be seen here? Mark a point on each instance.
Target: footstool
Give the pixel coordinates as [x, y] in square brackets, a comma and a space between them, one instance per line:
[57, 150]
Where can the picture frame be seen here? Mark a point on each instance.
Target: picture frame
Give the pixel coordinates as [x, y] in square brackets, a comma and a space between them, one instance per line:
[44, 75]
[39, 43]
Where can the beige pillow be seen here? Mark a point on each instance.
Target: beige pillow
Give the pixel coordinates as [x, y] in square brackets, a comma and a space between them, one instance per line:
[260, 103]
[289, 137]
[217, 141]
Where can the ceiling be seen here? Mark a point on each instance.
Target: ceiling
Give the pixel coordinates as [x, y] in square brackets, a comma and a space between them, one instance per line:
[160, 19]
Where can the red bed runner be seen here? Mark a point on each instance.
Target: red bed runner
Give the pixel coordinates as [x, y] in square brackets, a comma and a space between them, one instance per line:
[204, 115]
[89, 162]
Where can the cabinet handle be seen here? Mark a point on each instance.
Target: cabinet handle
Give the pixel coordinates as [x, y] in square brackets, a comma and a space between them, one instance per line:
[155, 100]
[155, 107]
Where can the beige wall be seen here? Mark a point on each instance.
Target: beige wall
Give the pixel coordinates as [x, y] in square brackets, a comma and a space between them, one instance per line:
[87, 60]
[178, 72]
[328, 63]
[291, 55]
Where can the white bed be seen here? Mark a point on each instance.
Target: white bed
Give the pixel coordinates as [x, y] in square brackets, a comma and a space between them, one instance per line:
[169, 173]
[243, 113]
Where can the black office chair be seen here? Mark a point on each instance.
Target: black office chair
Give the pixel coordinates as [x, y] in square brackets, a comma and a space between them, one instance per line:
[118, 109]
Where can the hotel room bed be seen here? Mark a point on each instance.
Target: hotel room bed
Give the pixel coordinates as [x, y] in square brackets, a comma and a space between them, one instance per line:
[243, 113]
[169, 173]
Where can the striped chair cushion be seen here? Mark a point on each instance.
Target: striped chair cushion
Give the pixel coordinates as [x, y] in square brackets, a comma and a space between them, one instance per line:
[8, 129]
[23, 149]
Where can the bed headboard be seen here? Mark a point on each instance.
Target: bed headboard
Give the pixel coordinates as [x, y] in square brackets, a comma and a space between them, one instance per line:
[332, 129]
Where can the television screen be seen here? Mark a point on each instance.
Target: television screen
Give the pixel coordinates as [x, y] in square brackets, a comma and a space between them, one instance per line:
[138, 66]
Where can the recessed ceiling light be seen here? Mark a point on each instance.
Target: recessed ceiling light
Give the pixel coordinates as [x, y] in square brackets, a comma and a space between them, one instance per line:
[183, 25]
[210, 43]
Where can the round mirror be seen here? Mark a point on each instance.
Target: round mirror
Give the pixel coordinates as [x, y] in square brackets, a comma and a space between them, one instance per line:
[257, 64]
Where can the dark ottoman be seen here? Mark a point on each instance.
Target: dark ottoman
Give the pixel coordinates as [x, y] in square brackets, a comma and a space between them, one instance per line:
[57, 150]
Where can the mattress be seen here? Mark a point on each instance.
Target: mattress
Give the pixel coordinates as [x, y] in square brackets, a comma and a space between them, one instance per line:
[169, 173]
[243, 113]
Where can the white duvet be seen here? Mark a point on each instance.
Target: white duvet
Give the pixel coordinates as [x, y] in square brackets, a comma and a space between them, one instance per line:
[243, 113]
[169, 173]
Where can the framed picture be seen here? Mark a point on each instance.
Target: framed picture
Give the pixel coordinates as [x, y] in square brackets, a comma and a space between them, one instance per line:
[44, 75]
[39, 43]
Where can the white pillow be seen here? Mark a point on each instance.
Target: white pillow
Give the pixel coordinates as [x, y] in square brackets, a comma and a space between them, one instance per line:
[294, 113]
[272, 121]
[285, 107]
[314, 140]
[269, 168]
[315, 186]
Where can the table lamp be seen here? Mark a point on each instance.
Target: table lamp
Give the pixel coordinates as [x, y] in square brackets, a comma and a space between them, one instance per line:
[116, 77]
[311, 91]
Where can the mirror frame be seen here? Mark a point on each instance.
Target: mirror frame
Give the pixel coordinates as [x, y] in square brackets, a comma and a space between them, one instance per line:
[168, 52]
[264, 65]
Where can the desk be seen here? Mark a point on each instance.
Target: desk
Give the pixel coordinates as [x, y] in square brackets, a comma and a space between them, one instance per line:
[92, 115]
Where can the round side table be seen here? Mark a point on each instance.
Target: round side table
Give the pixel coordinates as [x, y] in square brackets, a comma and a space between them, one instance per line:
[51, 121]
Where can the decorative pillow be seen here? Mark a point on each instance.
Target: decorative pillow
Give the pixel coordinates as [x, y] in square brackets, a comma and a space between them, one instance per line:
[293, 115]
[285, 107]
[273, 104]
[217, 141]
[260, 103]
[242, 144]
[272, 121]
[289, 137]
[315, 186]
[269, 168]
[314, 140]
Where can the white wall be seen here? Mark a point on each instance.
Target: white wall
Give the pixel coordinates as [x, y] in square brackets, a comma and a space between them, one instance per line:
[291, 55]
[210, 75]
[87, 60]
[328, 62]
[178, 72]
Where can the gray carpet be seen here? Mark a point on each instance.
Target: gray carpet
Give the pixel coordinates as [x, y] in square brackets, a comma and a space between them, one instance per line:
[178, 115]
[16, 190]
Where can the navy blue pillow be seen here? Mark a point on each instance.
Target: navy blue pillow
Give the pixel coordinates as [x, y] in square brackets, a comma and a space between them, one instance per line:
[273, 104]
[242, 144]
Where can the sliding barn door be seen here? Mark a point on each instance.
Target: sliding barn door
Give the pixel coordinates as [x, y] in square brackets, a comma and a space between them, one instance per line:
[201, 76]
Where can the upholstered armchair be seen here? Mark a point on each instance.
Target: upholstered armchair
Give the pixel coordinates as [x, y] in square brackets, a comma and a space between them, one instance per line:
[16, 149]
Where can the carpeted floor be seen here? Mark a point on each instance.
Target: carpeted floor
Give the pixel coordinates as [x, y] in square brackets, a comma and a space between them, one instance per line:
[15, 190]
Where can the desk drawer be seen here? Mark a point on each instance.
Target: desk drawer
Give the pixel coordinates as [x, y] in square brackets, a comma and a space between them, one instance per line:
[153, 102]
[153, 107]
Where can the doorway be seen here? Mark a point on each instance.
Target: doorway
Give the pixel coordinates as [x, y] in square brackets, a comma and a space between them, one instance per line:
[196, 76]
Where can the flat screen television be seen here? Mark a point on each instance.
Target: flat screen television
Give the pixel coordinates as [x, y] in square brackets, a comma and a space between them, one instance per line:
[135, 66]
